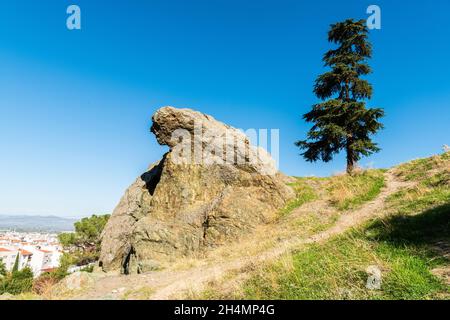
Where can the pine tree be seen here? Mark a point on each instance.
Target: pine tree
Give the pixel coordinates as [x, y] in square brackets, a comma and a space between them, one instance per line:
[2, 268]
[342, 121]
[16, 264]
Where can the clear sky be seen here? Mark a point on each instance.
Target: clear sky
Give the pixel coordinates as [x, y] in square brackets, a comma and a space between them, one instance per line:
[75, 106]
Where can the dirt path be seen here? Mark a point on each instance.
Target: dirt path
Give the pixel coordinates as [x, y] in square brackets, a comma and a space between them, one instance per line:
[368, 211]
[171, 284]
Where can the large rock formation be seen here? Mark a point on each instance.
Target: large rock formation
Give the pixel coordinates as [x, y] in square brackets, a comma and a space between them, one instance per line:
[211, 187]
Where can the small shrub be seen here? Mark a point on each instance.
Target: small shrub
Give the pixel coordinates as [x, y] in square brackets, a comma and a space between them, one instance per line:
[45, 283]
[17, 282]
[2, 269]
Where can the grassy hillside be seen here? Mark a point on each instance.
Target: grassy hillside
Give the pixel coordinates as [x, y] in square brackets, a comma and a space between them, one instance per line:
[344, 192]
[324, 245]
[410, 245]
[350, 192]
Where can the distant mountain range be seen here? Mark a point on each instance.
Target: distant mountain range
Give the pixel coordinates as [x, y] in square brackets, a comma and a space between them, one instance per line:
[30, 223]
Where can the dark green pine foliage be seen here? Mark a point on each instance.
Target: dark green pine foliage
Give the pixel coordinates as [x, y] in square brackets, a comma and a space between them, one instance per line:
[2, 268]
[16, 264]
[342, 121]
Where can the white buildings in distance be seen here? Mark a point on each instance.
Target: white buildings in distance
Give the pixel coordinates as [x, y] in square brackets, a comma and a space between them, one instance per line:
[38, 251]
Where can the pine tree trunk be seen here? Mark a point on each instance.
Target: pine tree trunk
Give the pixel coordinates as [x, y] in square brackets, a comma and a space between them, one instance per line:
[350, 166]
[350, 157]
[348, 147]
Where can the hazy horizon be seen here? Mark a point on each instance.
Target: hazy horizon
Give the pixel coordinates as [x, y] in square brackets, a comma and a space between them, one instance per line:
[33, 215]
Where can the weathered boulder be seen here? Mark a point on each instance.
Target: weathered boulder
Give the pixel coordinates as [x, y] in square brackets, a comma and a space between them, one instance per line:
[76, 281]
[211, 187]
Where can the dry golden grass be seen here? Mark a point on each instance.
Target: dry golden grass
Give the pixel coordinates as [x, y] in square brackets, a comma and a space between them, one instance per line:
[421, 169]
[230, 286]
[265, 237]
[143, 293]
[349, 192]
[337, 268]
[45, 287]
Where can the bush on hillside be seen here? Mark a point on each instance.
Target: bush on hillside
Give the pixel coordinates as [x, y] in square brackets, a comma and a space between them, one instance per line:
[17, 282]
[84, 243]
[2, 268]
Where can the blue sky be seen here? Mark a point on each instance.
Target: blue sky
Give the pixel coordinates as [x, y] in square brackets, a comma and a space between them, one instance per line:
[76, 105]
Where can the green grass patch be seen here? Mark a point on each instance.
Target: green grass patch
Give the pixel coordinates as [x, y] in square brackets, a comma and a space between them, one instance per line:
[351, 191]
[309, 224]
[337, 270]
[331, 271]
[432, 191]
[404, 246]
[419, 169]
[303, 193]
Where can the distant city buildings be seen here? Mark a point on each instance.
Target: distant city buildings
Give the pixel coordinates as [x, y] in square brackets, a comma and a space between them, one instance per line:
[39, 251]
